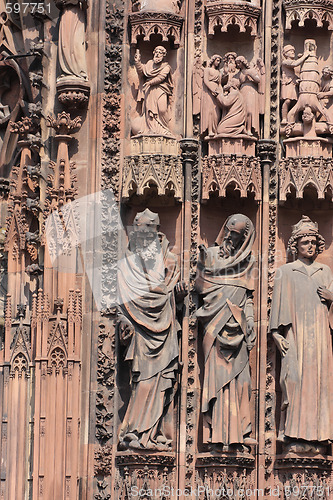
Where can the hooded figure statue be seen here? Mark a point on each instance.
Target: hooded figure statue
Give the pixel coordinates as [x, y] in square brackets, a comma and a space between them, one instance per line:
[226, 285]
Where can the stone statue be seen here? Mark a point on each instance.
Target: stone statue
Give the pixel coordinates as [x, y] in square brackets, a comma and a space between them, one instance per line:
[229, 67]
[210, 109]
[226, 285]
[149, 287]
[72, 45]
[301, 325]
[250, 79]
[155, 91]
[309, 85]
[232, 102]
[289, 81]
[326, 90]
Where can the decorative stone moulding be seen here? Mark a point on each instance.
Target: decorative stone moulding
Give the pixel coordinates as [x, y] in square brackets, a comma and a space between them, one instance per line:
[142, 172]
[243, 144]
[145, 24]
[303, 146]
[143, 144]
[223, 171]
[223, 14]
[297, 11]
[300, 173]
[73, 93]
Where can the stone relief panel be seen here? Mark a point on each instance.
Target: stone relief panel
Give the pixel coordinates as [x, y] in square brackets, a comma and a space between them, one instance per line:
[243, 14]
[306, 101]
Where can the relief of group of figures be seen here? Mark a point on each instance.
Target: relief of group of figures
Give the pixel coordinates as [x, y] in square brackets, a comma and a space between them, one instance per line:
[230, 93]
[150, 308]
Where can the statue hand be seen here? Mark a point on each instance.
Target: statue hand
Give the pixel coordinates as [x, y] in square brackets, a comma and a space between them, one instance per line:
[146, 86]
[126, 330]
[137, 57]
[324, 294]
[181, 290]
[250, 334]
[281, 342]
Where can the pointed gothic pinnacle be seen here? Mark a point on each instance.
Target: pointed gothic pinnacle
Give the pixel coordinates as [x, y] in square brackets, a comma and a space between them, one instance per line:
[63, 124]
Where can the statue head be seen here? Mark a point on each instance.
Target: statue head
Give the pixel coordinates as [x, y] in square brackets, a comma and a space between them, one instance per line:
[233, 83]
[288, 52]
[215, 61]
[159, 54]
[327, 72]
[236, 229]
[230, 58]
[310, 45]
[307, 115]
[305, 231]
[144, 238]
[241, 62]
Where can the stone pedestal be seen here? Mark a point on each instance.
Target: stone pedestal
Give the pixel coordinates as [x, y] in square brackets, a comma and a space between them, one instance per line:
[240, 145]
[306, 146]
[154, 144]
[73, 93]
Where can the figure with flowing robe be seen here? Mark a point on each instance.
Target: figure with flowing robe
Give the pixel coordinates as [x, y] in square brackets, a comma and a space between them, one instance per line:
[250, 79]
[301, 325]
[148, 287]
[233, 119]
[72, 44]
[155, 91]
[210, 109]
[225, 282]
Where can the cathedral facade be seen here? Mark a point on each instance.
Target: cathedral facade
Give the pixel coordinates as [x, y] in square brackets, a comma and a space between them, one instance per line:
[166, 266]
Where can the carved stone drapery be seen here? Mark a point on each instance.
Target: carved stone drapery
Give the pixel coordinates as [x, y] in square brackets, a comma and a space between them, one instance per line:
[145, 24]
[142, 172]
[298, 11]
[300, 173]
[222, 15]
[221, 172]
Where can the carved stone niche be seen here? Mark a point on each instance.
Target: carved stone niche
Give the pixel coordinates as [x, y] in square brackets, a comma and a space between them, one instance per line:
[298, 11]
[160, 172]
[144, 24]
[11, 90]
[222, 14]
[223, 171]
[297, 174]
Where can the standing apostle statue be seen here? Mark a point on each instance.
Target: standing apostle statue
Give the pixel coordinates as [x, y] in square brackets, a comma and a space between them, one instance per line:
[148, 291]
[301, 325]
[225, 281]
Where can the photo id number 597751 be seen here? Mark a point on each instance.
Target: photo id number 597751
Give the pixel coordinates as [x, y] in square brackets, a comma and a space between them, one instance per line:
[28, 8]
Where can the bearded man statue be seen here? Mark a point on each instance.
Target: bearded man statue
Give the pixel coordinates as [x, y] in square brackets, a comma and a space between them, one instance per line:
[225, 282]
[148, 293]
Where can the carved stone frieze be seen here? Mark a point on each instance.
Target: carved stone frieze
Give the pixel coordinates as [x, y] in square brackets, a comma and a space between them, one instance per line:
[144, 24]
[142, 172]
[221, 15]
[297, 174]
[301, 478]
[216, 481]
[298, 11]
[145, 479]
[223, 171]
